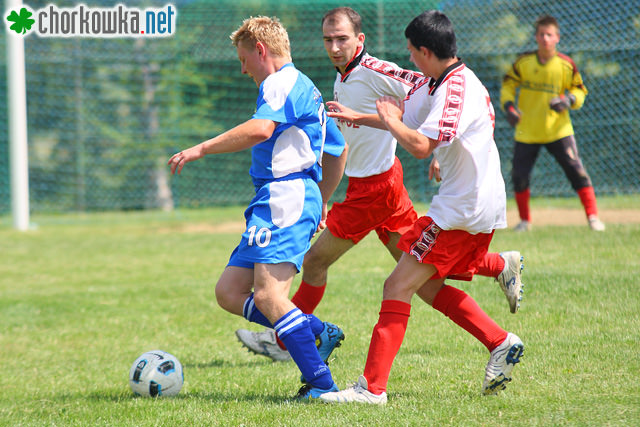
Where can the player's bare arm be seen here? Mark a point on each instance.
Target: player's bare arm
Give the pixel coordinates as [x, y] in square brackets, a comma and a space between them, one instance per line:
[340, 112]
[241, 137]
[390, 111]
[332, 170]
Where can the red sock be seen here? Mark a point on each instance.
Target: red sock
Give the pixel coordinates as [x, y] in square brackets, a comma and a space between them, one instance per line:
[522, 200]
[308, 297]
[588, 199]
[385, 342]
[466, 313]
[280, 343]
[492, 265]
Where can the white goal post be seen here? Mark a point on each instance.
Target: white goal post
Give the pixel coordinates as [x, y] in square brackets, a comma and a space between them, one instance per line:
[18, 153]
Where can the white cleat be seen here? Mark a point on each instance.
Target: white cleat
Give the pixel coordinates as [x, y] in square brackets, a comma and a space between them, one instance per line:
[522, 226]
[501, 362]
[356, 393]
[263, 343]
[595, 224]
[510, 279]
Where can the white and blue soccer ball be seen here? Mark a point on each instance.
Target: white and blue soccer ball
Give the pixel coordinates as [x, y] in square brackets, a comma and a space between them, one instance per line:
[156, 373]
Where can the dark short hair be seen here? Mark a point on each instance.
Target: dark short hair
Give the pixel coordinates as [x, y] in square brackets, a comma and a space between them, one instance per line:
[350, 14]
[433, 30]
[544, 20]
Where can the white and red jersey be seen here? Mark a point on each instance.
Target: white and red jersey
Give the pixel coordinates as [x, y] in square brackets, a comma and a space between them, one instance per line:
[456, 111]
[371, 151]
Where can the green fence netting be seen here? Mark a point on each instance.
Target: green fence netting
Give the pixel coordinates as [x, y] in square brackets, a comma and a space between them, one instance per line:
[105, 114]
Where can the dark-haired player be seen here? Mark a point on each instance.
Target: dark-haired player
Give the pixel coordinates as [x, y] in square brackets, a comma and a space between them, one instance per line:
[450, 116]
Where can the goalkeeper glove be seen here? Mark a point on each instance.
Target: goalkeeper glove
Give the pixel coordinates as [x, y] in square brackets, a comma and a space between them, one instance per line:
[562, 102]
[512, 112]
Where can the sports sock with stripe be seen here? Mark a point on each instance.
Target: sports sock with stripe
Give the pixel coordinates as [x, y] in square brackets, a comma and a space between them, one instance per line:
[294, 330]
[252, 314]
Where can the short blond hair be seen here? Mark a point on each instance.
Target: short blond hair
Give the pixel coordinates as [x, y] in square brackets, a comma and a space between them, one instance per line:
[266, 30]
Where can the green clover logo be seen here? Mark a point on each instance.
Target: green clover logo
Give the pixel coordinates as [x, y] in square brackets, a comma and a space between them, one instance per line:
[22, 21]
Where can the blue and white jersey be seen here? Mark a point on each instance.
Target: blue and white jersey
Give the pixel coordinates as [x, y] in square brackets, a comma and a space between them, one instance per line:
[290, 98]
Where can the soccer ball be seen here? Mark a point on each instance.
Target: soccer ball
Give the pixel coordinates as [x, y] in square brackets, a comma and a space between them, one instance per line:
[156, 373]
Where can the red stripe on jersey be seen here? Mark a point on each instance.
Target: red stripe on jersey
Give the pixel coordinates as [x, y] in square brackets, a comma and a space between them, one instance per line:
[352, 64]
[418, 85]
[408, 77]
[452, 107]
[570, 61]
[452, 70]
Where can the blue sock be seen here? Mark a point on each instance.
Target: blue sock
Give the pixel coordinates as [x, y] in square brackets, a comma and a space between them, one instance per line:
[252, 314]
[293, 329]
[317, 326]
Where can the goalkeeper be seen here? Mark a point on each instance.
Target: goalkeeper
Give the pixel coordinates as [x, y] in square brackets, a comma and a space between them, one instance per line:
[549, 85]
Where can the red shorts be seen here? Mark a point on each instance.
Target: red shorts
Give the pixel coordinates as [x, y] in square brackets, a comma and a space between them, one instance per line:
[379, 202]
[454, 253]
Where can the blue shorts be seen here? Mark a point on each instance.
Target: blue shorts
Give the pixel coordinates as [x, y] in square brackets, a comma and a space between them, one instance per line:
[280, 222]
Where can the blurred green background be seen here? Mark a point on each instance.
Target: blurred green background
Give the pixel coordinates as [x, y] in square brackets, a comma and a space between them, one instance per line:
[104, 115]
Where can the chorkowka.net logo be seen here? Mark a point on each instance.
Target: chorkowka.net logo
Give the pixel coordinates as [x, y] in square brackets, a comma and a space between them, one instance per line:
[85, 21]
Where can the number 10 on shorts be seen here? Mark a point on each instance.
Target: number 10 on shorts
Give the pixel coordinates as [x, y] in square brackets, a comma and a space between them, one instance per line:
[261, 238]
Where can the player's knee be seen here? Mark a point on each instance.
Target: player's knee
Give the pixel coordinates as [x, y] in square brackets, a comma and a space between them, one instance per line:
[229, 297]
[222, 297]
[388, 283]
[581, 180]
[395, 289]
[262, 298]
[520, 183]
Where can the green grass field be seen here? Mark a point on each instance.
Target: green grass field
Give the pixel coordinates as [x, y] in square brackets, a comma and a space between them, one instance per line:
[82, 296]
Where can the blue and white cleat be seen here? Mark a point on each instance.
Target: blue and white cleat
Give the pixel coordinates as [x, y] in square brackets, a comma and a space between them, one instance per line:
[501, 362]
[330, 338]
[309, 392]
[510, 279]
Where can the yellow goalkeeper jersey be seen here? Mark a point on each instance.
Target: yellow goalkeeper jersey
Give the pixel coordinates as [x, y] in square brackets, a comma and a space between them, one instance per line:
[537, 84]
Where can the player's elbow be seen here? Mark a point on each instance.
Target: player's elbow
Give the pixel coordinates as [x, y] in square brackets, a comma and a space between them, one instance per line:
[418, 145]
[420, 153]
[263, 133]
